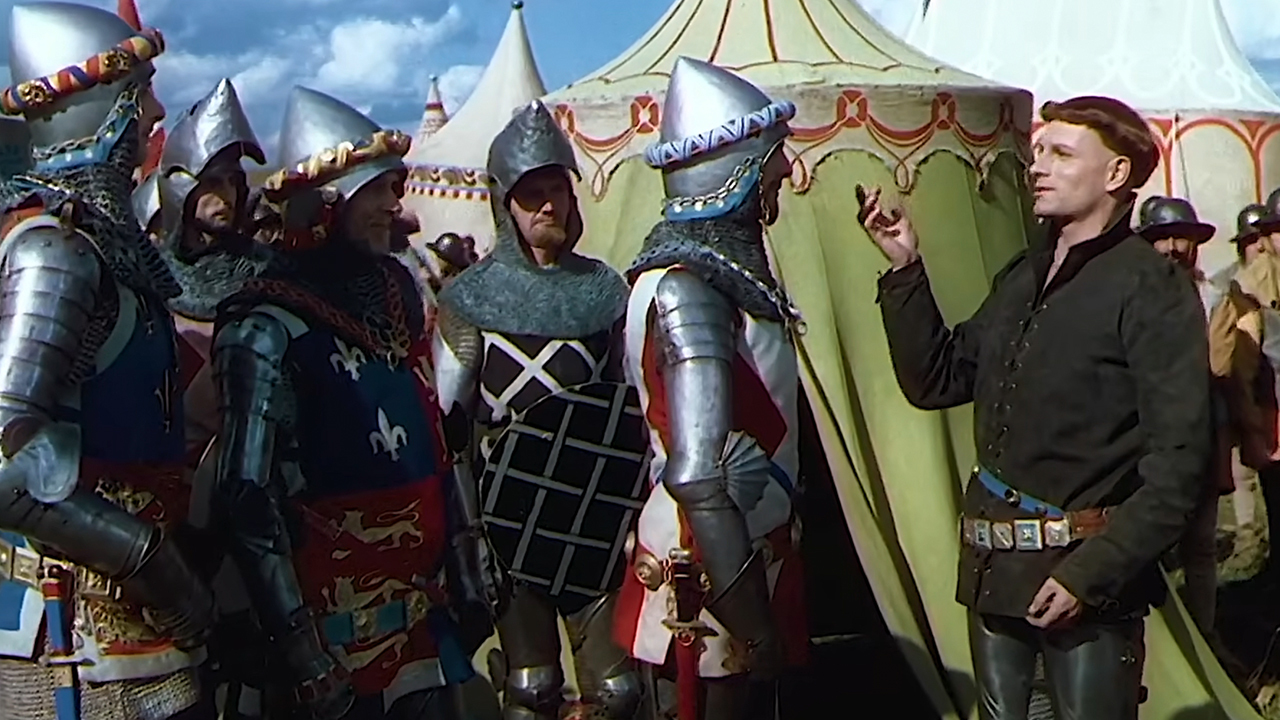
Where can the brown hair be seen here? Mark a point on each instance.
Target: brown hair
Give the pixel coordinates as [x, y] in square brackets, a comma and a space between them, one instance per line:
[1120, 127]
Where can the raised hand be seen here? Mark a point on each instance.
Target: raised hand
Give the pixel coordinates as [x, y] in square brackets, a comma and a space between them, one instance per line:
[890, 229]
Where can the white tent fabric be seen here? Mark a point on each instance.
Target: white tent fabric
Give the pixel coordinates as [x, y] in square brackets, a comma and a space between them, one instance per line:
[1215, 118]
[448, 188]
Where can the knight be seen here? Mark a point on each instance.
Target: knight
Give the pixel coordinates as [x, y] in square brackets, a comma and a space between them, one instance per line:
[111, 615]
[196, 204]
[710, 345]
[332, 478]
[203, 190]
[530, 320]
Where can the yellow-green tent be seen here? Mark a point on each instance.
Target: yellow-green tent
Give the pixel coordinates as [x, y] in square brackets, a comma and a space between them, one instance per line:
[871, 110]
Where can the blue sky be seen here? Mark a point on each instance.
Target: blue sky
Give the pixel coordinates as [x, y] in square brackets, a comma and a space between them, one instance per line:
[379, 54]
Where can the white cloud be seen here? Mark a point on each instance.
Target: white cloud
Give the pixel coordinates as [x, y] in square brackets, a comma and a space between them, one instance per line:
[367, 62]
[456, 85]
[369, 55]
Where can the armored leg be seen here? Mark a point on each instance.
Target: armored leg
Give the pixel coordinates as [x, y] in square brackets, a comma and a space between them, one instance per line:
[530, 637]
[1004, 662]
[609, 680]
[1095, 671]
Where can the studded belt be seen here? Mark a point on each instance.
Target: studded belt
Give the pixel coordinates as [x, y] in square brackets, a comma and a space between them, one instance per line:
[368, 624]
[1033, 534]
[27, 567]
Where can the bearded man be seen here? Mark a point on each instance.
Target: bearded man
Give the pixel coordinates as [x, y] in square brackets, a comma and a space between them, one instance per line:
[345, 521]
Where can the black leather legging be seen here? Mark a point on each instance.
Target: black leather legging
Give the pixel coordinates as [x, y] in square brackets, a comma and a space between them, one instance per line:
[1094, 670]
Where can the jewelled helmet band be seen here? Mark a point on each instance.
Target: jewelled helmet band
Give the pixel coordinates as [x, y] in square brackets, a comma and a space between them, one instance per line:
[683, 150]
[102, 69]
[330, 164]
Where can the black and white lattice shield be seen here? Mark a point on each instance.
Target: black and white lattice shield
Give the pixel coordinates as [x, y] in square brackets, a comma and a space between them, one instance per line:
[563, 485]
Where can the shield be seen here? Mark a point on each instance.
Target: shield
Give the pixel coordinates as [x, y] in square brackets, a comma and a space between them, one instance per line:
[563, 486]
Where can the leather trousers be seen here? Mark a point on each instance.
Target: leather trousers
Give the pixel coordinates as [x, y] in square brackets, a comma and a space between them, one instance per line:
[1094, 670]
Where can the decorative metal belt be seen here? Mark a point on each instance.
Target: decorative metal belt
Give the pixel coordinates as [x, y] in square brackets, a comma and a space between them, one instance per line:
[27, 567]
[1032, 534]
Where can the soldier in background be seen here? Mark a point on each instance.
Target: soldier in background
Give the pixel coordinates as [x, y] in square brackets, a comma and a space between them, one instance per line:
[204, 237]
[92, 476]
[1174, 230]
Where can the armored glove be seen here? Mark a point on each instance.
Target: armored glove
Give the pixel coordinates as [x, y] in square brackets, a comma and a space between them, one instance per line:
[321, 685]
[744, 610]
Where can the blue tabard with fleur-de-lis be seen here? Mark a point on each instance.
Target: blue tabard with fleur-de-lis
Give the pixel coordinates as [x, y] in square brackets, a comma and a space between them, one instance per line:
[361, 421]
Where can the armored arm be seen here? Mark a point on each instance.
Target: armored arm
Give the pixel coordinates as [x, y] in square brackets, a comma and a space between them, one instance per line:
[49, 288]
[696, 328]
[248, 367]
[456, 351]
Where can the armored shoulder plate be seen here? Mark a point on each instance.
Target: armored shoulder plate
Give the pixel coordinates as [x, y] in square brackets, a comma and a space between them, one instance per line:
[248, 366]
[695, 320]
[41, 243]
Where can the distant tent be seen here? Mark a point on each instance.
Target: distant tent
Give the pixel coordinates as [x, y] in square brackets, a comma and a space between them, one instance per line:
[448, 189]
[1217, 120]
[434, 116]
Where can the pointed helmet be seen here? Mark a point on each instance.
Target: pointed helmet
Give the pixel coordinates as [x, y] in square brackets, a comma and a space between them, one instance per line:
[215, 123]
[326, 143]
[75, 72]
[717, 132]
[530, 141]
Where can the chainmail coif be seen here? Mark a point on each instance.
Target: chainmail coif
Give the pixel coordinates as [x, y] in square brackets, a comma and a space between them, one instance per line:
[702, 246]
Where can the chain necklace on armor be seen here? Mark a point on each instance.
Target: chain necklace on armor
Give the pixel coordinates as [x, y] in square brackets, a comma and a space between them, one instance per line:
[728, 254]
[360, 296]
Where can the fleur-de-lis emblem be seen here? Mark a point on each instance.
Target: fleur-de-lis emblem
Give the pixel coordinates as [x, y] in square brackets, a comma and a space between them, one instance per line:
[388, 438]
[347, 358]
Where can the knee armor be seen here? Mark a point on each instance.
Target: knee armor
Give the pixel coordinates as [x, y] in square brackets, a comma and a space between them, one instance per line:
[533, 693]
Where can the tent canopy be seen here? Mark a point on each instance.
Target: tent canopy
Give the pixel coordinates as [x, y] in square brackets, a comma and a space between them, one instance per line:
[448, 188]
[856, 85]
[1155, 55]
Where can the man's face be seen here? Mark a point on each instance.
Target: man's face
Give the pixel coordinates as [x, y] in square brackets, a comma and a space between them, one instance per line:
[1253, 248]
[1178, 249]
[777, 168]
[151, 112]
[1073, 171]
[1273, 240]
[215, 200]
[540, 204]
[369, 217]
